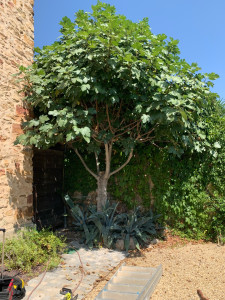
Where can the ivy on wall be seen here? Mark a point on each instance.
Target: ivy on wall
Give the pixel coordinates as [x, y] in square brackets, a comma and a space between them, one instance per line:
[187, 191]
[76, 178]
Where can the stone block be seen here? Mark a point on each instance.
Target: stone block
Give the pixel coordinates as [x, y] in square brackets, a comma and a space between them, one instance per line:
[22, 213]
[3, 203]
[21, 111]
[2, 172]
[3, 138]
[16, 129]
[17, 165]
[10, 212]
[120, 246]
[10, 171]
[28, 41]
[10, 4]
[18, 213]
[28, 212]
[30, 200]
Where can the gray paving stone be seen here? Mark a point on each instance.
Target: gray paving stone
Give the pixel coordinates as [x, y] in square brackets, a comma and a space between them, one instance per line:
[69, 274]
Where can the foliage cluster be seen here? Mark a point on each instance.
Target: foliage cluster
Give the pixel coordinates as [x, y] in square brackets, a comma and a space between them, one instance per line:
[31, 248]
[189, 190]
[107, 226]
[109, 84]
[110, 80]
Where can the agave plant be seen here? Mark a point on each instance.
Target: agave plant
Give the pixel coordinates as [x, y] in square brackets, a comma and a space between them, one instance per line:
[105, 222]
[83, 222]
[137, 226]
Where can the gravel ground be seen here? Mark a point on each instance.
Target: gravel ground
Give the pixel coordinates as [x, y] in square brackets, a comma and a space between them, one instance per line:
[186, 268]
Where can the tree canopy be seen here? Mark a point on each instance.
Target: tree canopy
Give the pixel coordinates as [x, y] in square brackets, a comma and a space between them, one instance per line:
[110, 83]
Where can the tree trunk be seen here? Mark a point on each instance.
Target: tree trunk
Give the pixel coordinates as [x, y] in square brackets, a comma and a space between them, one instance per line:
[103, 177]
[102, 192]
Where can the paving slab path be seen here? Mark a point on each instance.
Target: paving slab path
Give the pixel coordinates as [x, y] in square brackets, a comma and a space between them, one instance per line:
[95, 263]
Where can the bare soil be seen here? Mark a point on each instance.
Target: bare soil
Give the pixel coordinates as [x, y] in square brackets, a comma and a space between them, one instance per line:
[187, 267]
[26, 276]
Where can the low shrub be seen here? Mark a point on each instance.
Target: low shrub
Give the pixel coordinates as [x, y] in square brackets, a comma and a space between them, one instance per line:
[31, 248]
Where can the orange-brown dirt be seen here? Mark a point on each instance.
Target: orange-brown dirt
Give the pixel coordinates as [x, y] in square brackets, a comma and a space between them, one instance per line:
[188, 266]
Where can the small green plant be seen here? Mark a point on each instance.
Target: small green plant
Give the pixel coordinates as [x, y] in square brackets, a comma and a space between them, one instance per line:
[221, 240]
[31, 248]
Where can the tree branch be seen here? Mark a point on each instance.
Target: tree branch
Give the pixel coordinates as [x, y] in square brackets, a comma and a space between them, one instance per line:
[110, 125]
[139, 137]
[123, 165]
[84, 164]
[156, 145]
[97, 163]
[127, 130]
[96, 108]
[107, 161]
[123, 128]
[110, 149]
[118, 114]
[146, 139]
[94, 137]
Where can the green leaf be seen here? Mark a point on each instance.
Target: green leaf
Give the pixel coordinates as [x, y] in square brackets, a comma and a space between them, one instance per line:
[217, 145]
[70, 136]
[43, 119]
[127, 242]
[61, 122]
[53, 113]
[85, 87]
[33, 140]
[86, 132]
[183, 113]
[34, 122]
[41, 72]
[145, 118]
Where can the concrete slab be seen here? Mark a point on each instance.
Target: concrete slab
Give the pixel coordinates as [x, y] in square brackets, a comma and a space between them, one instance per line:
[68, 274]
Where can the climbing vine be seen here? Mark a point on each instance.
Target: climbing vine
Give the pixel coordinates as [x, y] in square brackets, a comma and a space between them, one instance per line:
[187, 191]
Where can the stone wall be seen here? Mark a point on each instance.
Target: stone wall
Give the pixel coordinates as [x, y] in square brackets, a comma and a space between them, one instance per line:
[16, 48]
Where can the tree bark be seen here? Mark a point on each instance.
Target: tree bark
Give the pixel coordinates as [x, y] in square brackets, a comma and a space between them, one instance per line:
[102, 191]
